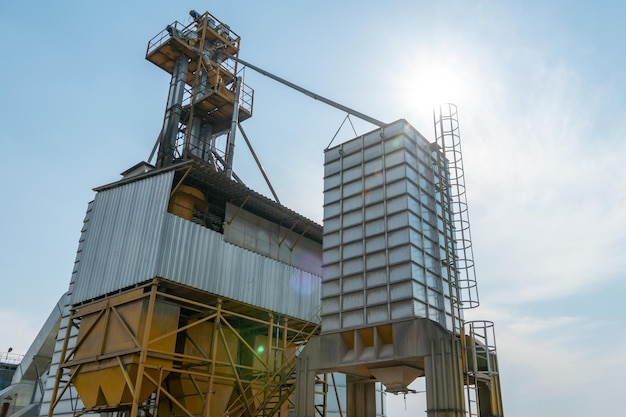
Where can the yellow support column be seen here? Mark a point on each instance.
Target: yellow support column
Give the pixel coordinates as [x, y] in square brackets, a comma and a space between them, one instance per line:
[216, 326]
[144, 349]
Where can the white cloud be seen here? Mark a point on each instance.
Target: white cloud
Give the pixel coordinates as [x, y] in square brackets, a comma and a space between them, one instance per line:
[545, 199]
[556, 359]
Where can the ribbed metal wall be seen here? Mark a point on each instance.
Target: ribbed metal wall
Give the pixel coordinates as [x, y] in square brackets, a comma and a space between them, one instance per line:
[252, 232]
[197, 256]
[131, 238]
[382, 233]
[121, 245]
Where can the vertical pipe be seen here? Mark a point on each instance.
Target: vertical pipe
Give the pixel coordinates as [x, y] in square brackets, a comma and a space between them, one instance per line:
[230, 146]
[173, 112]
[199, 139]
[199, 131]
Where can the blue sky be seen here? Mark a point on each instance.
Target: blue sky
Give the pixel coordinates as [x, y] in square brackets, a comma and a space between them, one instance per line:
[541, 96]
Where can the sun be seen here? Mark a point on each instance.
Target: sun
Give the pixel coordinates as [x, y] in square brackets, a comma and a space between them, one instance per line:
[438, 85]
[425, 81]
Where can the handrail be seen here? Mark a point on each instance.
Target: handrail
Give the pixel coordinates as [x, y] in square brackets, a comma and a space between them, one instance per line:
[11, 358]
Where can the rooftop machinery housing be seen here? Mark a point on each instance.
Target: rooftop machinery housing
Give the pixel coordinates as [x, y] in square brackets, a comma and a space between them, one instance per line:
[193, 295]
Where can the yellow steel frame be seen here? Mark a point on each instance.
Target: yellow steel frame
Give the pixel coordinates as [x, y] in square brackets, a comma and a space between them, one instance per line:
[261, 387]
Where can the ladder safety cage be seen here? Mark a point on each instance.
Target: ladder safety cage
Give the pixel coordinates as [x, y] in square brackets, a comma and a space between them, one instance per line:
[449, 140]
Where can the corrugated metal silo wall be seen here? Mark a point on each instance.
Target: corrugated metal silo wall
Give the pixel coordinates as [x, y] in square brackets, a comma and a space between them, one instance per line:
[382, 236]
[252, 232]
[199, 257]
[132, 239]
[122, 244]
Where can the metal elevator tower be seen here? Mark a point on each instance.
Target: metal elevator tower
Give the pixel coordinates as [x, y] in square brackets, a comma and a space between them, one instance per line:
[207, 96]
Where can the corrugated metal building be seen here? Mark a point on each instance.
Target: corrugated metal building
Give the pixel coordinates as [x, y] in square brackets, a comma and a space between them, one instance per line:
[130, 224]
[237, 258]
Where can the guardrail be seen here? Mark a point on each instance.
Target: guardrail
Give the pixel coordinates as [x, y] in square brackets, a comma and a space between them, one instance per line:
[11, 358]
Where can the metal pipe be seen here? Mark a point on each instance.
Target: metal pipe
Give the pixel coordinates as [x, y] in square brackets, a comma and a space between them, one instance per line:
[230, 146]
[310, 93]
[167, 147]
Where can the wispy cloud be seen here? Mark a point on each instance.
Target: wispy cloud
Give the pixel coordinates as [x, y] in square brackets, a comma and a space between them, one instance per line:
[543, 168]
[546, 193]
[550, 360]
[543, 152]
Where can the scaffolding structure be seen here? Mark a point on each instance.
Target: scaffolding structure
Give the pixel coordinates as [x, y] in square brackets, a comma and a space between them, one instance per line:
[166, 349]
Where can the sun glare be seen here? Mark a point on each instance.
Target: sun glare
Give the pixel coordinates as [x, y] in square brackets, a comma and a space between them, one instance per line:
[427, 81]
[438, 85]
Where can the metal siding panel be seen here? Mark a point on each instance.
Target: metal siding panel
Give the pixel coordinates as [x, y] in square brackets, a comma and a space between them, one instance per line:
[131, 238]
[383, 216]
[198, 257]
[259, 235]
[121, 241]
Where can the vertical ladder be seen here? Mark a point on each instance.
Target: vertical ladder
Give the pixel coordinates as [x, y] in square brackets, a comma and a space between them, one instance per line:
[482, 375]
[449, 141]
[445, 216]
[321, 392]
[458, 258]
